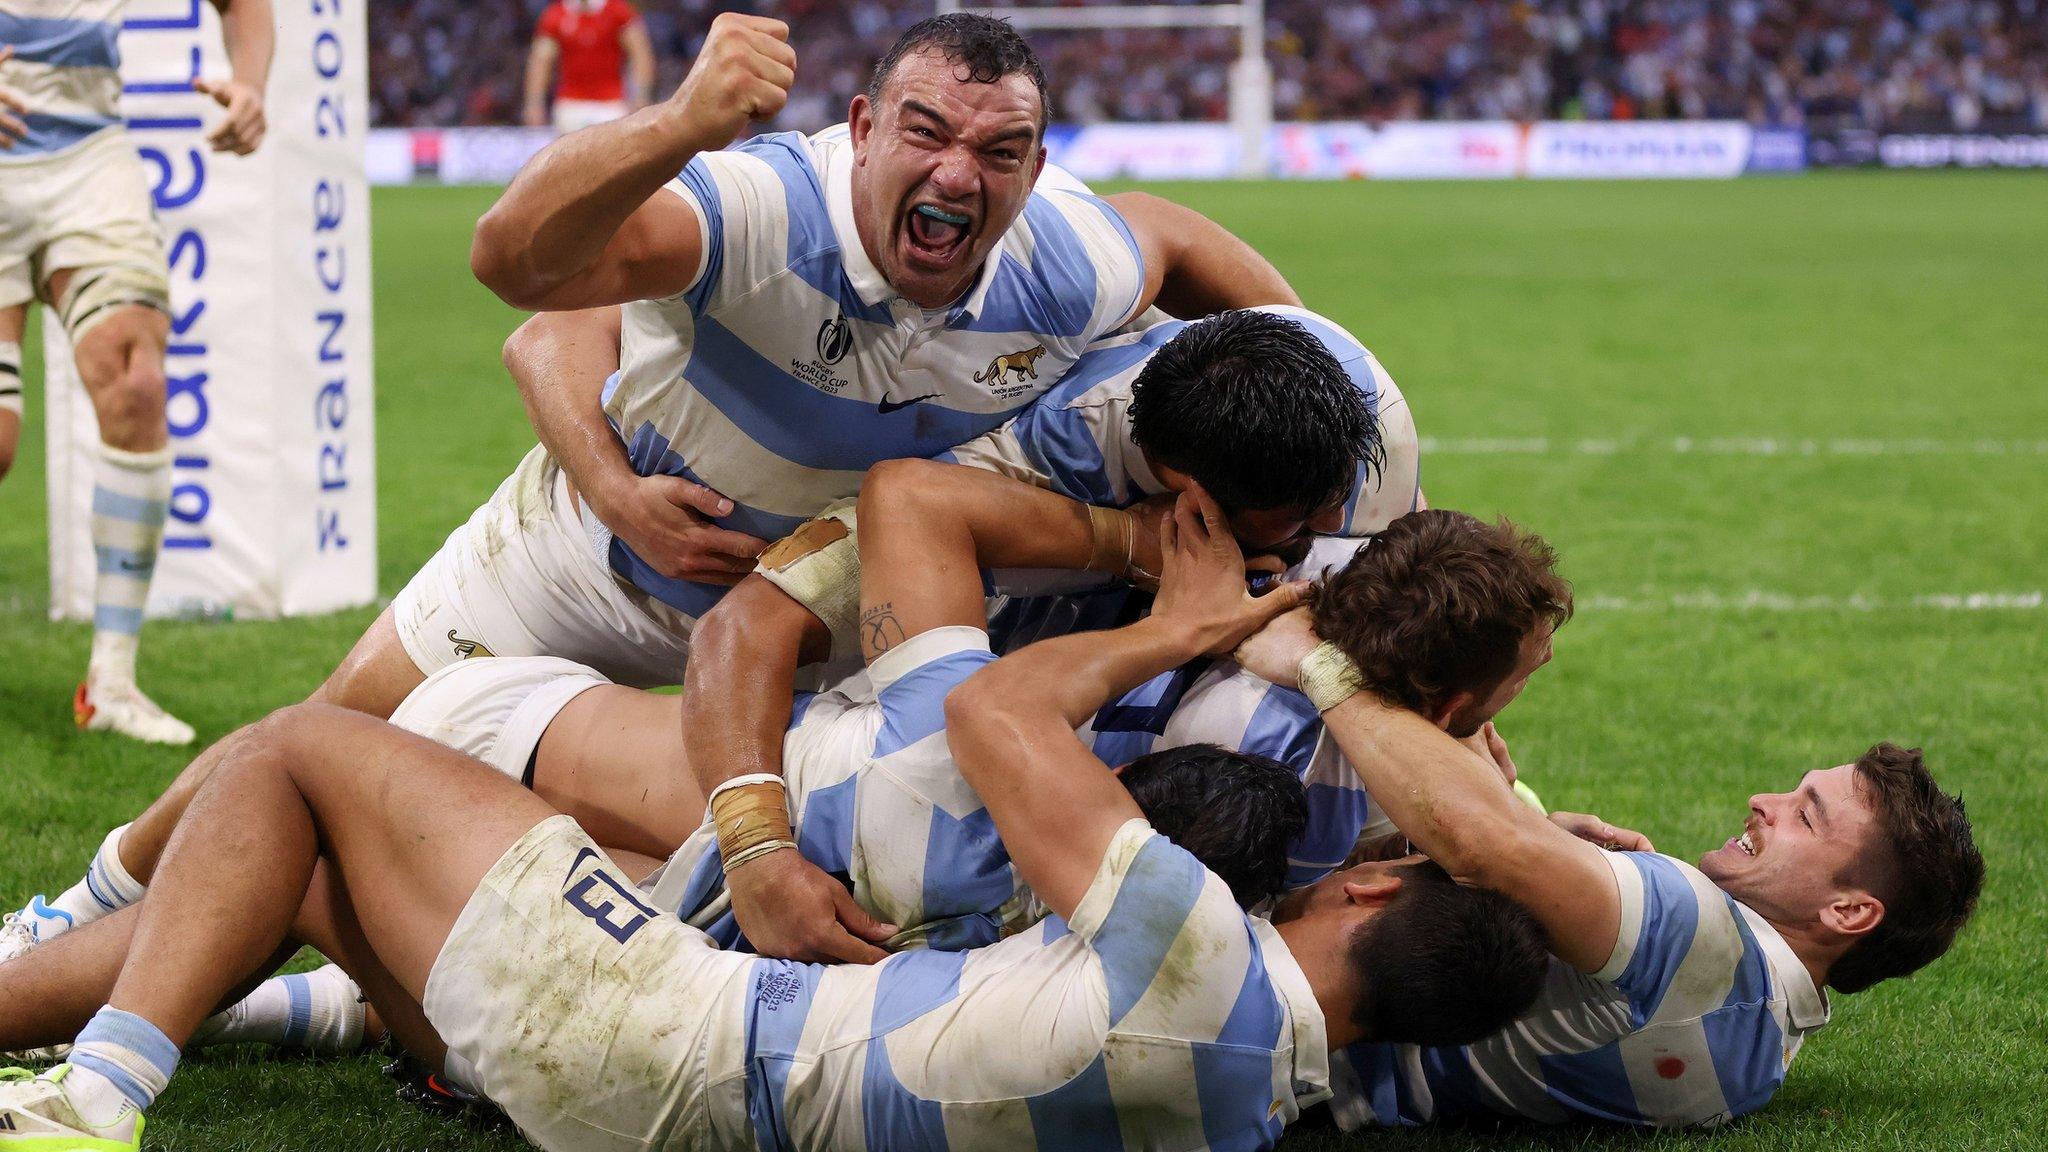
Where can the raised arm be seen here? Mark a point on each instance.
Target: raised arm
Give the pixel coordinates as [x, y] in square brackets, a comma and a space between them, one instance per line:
[586, 221]
[1193, 265]
[1448, 800]
[1012, 725]
[248, 32]
[560, 360]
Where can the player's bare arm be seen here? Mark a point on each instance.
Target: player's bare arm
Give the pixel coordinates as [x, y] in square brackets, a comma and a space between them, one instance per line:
[585, 222]
[560, 361]
[250, 36]
[1193, 265]
[13, 106]
[1448, 801]
[640, 65]
[1012, 725]
[540, 74]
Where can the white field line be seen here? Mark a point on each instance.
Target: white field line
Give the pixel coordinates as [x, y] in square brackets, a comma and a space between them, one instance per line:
[1761, 601]
[1723, 446]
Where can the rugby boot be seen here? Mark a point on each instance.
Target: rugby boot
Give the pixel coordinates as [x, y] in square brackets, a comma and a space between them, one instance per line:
[37, 1115]
[110, 705]
[25, 929]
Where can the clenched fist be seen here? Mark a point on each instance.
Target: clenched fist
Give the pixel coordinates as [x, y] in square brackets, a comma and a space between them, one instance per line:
[743, 74]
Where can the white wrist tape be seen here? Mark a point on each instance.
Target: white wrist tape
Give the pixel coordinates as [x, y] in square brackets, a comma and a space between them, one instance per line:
[1328, 677]
[818, 565]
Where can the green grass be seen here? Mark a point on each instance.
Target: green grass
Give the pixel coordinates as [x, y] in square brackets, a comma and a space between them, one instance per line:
[1828, 307]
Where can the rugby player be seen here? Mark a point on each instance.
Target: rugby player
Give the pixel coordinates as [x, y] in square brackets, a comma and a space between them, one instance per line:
[591, 40]
[1148, 1010]
[78, 231]
[1679, 995]
[795, 310]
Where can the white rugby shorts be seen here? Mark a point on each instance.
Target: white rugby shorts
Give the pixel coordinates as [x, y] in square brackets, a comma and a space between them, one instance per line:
[524, 578]
[86, 207]
[595, 1022]
[495, 710]
[570, 115]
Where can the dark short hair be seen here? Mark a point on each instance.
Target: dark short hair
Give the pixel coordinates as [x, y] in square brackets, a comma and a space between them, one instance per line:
[1257, 410]
[1439, 603]
[1233, 811]
[1924, 866]
[1444, 963]
[985, 49]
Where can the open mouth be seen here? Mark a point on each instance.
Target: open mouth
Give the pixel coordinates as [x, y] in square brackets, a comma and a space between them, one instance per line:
[1746, 842]
[935, 234]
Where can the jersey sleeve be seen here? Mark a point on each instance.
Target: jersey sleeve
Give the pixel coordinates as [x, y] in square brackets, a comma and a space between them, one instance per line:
[1683, 949]
[1111, 249]
[738, 199]
[1176, 950]
[1394, 489]
[550, 25]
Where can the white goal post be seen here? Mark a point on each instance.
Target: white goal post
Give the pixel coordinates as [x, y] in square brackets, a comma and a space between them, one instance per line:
[1251, 77]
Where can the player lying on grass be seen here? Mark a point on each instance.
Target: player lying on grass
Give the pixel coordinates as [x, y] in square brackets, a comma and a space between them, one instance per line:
[1680, 995]
[1281, 411]
[795, 309]
[1149, 1010]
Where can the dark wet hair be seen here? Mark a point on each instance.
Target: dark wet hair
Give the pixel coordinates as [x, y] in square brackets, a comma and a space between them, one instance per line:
[1258, 411]
[1234, 812]
[985, 49]
[1445, 963]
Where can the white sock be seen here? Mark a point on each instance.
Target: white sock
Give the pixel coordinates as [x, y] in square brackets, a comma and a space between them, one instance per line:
[131, 496]
[107, 887]
[320, 1012]
[120, 1058]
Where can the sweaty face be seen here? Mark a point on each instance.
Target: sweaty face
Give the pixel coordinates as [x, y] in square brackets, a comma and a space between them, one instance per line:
[1284, 531]
[1797, 851]
[1535, 654]
[943, 166]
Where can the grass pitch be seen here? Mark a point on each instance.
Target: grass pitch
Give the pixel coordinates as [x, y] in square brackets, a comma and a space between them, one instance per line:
[1791, 437]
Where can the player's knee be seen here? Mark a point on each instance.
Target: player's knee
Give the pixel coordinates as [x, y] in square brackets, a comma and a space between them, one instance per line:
[130, 406]
[895, 487]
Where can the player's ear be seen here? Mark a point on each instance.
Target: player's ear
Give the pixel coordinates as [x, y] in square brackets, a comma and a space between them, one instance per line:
[1372, 888]
[1038, 165]
[860, 120]
[1449, 707]
[1852, 913]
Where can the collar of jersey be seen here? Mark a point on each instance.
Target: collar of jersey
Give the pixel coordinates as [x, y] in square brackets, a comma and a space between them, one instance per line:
[1304, 1014]
[1807, 1005]
[836, 157]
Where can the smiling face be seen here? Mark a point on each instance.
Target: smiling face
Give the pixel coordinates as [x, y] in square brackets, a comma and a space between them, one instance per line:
[942, 167]
[1797, 858]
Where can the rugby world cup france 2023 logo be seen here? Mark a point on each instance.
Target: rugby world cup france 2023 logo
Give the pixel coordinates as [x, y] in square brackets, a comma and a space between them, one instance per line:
[835, 340]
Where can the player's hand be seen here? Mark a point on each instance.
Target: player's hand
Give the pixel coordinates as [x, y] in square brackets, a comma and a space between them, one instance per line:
[1594, 830]
[241, 130]
[1274, 653]
[742, 74]
[789, 908]
[667, 521]
[1493, 750]
[13, 106]
[1202, 585]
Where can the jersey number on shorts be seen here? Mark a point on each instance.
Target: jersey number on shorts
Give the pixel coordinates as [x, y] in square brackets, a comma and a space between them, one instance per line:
[593, 894]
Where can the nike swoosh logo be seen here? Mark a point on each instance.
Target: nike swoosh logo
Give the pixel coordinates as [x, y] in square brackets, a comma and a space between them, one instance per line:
[888, 406]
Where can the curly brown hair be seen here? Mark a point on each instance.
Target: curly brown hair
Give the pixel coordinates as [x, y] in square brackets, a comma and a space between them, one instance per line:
[1439, 603]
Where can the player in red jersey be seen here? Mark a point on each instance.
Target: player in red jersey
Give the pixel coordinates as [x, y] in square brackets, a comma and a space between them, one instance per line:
[590, 39]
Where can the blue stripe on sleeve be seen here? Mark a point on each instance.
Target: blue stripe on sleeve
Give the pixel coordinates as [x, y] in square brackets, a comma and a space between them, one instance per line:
[1158, 892]
[696, 176]
[1061, 445]
[1671, 915]
[1336, 815]
[914, 707]
[1234, 1075]
[826, 835]
[910, 984]
[61, 42]
[1078, 1114]
[966, 871]
[1056, 294]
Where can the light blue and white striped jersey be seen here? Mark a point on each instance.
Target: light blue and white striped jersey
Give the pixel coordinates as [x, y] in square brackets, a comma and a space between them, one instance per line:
[1694, 1020]
[67, 64]
[790, 366]
[1161, 1016]
[877, 800]
[1216, 702]
[1076, 440]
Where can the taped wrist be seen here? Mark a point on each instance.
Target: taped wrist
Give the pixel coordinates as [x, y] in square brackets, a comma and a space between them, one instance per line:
[818, 566]
[94, 293]
[751, 817]
[1109, 537]
[1328, 677]
[10, 377]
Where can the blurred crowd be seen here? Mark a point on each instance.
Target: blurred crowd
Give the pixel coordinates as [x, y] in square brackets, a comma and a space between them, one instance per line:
[1912, 65]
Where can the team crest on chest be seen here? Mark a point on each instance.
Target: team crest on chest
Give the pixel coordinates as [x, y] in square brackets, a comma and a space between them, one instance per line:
[835, 339]
[1012, 373]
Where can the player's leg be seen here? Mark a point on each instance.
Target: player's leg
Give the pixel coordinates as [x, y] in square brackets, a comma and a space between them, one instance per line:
[13, 322]
[611, 759]
[410, 828]
[376, 675]
[118, 340]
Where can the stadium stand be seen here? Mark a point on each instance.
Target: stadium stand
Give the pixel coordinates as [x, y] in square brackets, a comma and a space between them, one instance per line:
[1896, 65]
